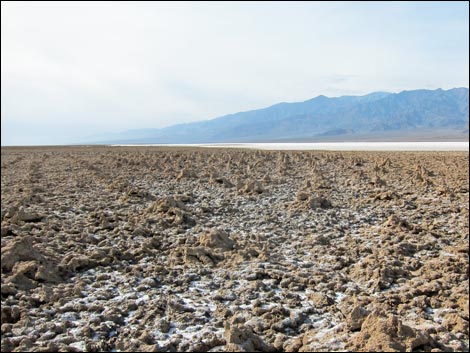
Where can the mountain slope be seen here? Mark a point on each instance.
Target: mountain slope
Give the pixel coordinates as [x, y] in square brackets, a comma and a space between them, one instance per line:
[375, 113]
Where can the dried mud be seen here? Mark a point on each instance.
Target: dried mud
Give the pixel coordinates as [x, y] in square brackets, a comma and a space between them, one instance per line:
[180, 249]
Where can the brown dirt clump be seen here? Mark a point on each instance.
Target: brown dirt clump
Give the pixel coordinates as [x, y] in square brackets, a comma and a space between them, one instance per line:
[386, 333]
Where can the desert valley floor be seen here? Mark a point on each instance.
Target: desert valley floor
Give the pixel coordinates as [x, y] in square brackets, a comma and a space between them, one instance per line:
[186, 249]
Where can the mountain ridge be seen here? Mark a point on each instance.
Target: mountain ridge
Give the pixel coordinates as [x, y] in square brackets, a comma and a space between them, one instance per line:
[374, 113]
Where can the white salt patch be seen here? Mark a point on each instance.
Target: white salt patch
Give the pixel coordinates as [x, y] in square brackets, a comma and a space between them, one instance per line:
[268, 306]
[81, 346]
[129, 316]
[319, 323]
[438, 314]
[336, 146]
[245, 306]
[75, 331]
[339, 297]
[143, 299]
[447, 254]
[212, 306]
[68, 317]
[328, 331]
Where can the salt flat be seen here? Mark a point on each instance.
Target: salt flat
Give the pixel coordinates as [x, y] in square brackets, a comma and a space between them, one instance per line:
[334, 146]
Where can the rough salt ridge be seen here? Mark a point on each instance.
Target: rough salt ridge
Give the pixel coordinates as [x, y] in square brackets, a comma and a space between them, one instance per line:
[187, 249]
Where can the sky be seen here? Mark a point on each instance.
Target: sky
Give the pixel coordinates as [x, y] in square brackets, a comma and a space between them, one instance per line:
[74, 70]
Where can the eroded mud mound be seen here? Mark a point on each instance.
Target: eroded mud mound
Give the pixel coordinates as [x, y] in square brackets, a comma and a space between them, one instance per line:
[179, 249]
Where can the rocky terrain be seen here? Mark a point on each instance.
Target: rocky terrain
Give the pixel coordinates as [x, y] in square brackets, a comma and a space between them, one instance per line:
[180, 249]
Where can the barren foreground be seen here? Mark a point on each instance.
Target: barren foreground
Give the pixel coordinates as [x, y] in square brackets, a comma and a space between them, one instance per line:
[153, 249]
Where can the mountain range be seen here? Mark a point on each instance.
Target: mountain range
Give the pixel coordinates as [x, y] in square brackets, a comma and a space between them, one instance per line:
[375, 115]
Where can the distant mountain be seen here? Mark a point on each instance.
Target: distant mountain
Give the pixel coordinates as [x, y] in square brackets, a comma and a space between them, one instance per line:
[323, 118]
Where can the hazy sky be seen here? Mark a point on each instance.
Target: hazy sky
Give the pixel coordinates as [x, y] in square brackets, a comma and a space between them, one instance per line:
[78, 69]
